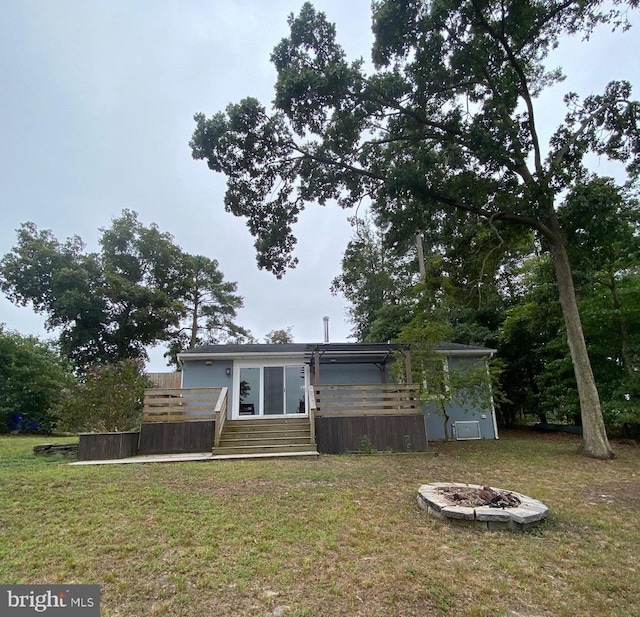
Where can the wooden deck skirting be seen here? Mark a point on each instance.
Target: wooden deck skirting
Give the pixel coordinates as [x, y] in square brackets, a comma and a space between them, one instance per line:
[184, 405]
[369, 399]
[104, 446]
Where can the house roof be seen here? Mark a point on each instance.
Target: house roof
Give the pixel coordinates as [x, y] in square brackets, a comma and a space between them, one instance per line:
[328, 352]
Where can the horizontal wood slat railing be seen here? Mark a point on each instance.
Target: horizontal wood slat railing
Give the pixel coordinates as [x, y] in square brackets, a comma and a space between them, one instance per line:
[183, 404]
[370, 399]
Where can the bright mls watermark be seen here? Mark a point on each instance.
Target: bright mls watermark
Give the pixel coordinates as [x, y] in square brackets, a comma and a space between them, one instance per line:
[60, 600]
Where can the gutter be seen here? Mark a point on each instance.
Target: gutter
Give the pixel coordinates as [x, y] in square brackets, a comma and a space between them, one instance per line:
[234, 356]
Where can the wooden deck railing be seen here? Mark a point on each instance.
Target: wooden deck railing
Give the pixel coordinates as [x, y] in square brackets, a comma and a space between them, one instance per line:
[184, 404]
[369, 399]
[221, 416]
[312, 412]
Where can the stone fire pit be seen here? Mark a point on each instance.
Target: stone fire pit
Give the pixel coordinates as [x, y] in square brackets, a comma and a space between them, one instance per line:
[481, 506]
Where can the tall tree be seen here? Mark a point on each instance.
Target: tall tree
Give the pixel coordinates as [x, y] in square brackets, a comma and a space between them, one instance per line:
[446, 124]
[63, 282]
[376, 282]
[602, 223]
[210, 306]
[538, 378]
[283, 335]
[135, 292]
[142, 285]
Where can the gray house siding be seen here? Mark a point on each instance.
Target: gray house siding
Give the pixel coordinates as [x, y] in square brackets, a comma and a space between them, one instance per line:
[197, 374]
[460, 412]
[435, 420]
[350, 374]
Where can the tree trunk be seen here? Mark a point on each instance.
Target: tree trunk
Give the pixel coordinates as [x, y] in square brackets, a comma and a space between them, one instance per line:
[445, 415]
[193, 339]
[594, 435]
[420, 251]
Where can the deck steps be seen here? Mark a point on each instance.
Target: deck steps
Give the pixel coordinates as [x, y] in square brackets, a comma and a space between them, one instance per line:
[273, 436]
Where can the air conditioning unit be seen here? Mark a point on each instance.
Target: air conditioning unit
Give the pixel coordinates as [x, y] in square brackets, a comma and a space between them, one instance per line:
[467, 430]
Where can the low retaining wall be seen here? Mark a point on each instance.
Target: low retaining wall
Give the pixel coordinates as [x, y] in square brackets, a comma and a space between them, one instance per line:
[404, 433]
[57, 449]
[105, 446]
[176, 437]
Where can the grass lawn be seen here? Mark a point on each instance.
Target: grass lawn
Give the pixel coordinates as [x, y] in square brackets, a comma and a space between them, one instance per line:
[338, 535]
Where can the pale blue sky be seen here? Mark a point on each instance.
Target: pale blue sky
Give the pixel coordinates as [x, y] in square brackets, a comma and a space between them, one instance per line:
[96, 114]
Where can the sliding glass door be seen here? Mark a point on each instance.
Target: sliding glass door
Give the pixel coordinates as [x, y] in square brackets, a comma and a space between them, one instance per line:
[273, 403]
[271, 390]
[294, 392]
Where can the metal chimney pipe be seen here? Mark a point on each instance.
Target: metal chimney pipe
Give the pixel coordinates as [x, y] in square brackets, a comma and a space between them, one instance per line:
[326, 328]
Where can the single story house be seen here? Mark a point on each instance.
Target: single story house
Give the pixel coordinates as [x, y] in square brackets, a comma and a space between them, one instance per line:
[305, 398]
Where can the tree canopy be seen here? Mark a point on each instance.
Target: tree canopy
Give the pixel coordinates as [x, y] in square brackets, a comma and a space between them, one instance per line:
[444, 128]
[376, 282]
[140, 289]
[282, 335]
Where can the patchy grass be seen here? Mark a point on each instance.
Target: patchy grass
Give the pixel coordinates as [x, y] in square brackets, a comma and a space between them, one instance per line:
[341, 535]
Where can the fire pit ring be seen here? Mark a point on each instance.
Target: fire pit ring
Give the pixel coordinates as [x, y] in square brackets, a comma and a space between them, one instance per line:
[528, 513]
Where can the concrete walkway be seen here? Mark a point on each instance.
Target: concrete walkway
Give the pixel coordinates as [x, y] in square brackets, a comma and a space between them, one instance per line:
[196, 456]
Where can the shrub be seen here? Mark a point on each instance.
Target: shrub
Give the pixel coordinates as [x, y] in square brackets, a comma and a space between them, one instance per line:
[109, 398]
[32, 378]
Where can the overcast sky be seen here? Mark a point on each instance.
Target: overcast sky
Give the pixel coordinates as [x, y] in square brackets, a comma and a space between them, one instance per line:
[96, 113]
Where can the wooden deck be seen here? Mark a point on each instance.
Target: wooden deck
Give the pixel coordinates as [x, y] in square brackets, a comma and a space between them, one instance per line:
[180, 421]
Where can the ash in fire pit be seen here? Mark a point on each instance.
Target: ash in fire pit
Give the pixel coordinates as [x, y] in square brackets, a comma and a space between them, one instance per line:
[484, 506]
[483, 496]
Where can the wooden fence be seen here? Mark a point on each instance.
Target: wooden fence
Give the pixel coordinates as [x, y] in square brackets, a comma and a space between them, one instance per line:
[369, 399]
[166, 380]
[183, 405]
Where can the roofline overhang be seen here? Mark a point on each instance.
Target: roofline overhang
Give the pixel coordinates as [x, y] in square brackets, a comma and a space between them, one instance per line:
[234, 356]
[303, 354]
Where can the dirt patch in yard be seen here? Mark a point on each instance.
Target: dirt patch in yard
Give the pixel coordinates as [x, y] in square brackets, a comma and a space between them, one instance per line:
[625, 494]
